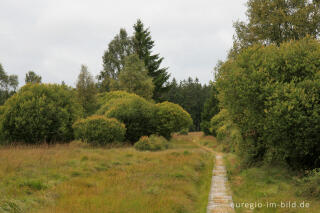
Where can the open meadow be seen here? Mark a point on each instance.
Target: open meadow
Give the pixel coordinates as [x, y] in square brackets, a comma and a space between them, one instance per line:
[77, 178]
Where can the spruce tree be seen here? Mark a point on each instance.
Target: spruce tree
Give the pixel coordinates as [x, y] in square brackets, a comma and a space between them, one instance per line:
[142, 45]
[210, 109]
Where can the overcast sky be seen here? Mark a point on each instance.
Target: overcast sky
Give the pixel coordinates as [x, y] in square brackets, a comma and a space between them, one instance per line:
[54, 37]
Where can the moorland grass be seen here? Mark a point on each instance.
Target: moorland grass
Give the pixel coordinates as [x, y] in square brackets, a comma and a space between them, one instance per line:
[77, 178]
[267, 184]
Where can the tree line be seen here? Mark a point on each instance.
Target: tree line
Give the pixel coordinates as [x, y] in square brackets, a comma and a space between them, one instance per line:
[129, 64]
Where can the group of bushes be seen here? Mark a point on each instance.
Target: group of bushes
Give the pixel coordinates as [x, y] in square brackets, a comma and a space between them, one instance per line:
[271, 95]
[51, 113]
[142, 117]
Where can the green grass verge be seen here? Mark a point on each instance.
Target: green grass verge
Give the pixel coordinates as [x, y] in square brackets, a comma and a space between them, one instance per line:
[268, 186]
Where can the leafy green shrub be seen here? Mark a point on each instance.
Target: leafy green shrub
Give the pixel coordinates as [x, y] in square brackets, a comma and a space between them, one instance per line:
[310, 185]
[2, 138]
[226, 131]
[36, 185]
[40, 113]
[152, 143]
[142, 117]
[217, 122]
[170, 118]
[99, 130]
[106, 97]
[136, 113]
[184, 131]
[272, 94]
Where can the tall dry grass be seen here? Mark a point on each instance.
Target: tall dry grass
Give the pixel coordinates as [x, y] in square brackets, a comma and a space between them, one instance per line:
[76, 178]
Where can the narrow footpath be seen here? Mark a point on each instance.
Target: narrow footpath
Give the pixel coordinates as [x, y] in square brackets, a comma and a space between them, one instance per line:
[220, 199]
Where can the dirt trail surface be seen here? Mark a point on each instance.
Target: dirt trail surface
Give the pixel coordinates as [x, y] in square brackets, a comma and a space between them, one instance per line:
[220, 199]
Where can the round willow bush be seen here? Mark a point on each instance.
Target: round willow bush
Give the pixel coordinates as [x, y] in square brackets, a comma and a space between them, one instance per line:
[40, 113]
[104, 99]
[136, 113]
[99, 130]
[170, 118]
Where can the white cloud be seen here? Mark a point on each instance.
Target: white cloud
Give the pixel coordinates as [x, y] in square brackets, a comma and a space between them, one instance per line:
[54, 37]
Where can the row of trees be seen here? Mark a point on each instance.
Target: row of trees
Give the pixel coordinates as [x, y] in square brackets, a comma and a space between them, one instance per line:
[139, 44]
[9, 83]
[268, 89]
[50, 113]
[192, 96]
[130, 65]
[274, 22]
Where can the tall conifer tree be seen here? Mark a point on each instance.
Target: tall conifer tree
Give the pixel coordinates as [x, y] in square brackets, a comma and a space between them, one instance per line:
[143, 44]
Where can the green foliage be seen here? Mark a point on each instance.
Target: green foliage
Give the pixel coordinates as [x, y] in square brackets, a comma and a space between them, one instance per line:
[141, 117]
[134, 78]
[143, 44]
[107, 96]
[274, 22]
[184, 131]
[210, 109]
[86, 91]
[122, 46]
[171, 118]
[107, 99]
[99, 130]
[310, 185]
[226, 131]
[152, 143]
[8, 85]
[191, 95]
[35, 185]
[33, 78]
[113, 59]
[40, 113]
[2, 138]
[135, 112]
[272, 95]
